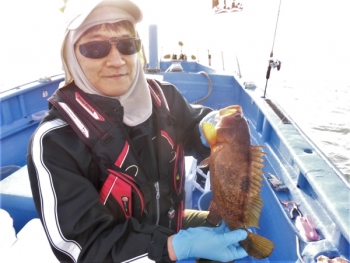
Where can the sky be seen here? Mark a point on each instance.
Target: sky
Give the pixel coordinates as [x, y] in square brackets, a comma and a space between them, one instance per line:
[308, 33]
[31, 31]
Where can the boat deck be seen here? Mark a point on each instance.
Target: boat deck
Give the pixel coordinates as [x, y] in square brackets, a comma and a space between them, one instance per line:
[312, 181]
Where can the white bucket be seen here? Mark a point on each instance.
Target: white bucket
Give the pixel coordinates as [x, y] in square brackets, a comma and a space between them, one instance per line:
[204, 201]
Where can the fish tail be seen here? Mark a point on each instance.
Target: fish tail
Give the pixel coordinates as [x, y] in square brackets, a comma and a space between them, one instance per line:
[257, 246]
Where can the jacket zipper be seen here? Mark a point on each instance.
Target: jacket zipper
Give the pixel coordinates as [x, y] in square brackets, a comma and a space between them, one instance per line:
[156, 185]
[178, 176]
[130, 181]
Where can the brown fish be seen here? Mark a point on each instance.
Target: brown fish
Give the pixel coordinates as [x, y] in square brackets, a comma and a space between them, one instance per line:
[235, 175]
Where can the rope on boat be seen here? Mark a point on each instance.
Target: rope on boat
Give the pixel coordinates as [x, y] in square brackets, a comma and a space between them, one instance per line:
[210, 88]
[298, 250]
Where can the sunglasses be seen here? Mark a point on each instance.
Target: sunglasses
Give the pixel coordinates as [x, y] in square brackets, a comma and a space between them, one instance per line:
[101, 49]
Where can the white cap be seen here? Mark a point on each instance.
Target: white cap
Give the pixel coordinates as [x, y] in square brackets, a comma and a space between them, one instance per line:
[77, 11]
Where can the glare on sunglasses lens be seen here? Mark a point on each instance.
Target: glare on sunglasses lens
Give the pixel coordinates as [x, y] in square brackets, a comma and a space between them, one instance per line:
[100, 49]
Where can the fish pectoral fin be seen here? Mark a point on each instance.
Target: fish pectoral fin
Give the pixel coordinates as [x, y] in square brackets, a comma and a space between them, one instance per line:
[209, 132]
[204, 163]
[213, 218]
[257, 246]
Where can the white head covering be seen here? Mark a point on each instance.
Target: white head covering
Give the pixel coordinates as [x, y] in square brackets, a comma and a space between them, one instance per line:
[84, 14]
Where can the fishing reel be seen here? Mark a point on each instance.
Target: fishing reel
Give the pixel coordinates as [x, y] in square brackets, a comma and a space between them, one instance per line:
[275, 63]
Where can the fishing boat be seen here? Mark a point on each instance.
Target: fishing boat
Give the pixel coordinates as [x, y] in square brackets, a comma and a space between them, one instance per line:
[306, 208]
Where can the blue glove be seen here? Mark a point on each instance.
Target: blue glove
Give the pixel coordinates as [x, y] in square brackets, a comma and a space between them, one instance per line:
[223, 228]
[208, 118]
[217, 243]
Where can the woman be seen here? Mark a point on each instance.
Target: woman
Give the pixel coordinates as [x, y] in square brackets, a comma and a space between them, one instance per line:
[118, 197]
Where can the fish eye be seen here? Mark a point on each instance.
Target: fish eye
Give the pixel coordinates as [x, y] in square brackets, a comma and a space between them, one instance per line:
[238, 117]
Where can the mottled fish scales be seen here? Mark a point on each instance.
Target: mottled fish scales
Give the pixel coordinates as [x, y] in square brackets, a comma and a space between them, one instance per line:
[236, 174]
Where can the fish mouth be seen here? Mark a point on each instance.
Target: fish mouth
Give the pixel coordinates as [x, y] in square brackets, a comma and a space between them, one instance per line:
[234, 111]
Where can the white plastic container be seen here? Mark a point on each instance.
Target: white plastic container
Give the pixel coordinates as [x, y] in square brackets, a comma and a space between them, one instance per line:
[190, 168]
[38, 116]
[200, 176]
[7, 232]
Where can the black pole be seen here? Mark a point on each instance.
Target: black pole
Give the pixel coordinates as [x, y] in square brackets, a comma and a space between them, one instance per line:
[271, 54]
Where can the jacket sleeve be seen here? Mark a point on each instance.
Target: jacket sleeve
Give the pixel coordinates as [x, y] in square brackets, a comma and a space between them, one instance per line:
[77, 224]
[187, 117]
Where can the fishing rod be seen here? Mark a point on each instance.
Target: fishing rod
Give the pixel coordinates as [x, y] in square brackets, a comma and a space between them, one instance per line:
[273, 63]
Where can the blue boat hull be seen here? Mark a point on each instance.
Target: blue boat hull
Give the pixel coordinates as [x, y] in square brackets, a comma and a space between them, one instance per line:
[311, 179]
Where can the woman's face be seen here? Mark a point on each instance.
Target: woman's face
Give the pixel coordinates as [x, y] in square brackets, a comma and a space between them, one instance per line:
[111, 75]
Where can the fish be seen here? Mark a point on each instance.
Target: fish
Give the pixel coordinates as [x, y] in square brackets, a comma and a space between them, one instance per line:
[235, 176]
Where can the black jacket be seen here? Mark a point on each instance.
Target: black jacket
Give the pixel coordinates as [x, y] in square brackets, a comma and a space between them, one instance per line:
[66, 180]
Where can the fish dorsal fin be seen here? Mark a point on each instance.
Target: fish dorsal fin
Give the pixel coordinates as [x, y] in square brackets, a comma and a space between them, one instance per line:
[209, 132]
[254, 202]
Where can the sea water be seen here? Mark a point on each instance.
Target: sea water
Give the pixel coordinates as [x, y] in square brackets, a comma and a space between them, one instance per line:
[312, 39]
